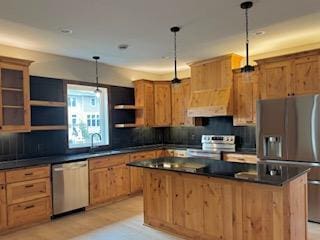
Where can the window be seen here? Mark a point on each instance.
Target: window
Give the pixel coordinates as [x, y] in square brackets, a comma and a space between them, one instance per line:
[72, 101]
[85, 120]
[74, 119]
[93, 102]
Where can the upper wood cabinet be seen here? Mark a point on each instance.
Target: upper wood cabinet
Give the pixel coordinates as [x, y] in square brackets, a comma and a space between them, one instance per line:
[289, 75]
[180, 101]
[275, 79]
[14, 95]
[245, 95]
[215, 73]
[144, 97]
[162, 101]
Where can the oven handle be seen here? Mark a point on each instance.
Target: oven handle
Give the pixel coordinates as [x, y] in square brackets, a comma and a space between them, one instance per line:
[314, 182]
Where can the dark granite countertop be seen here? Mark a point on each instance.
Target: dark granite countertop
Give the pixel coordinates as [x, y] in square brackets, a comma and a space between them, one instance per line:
[223, 169]
[8, 164]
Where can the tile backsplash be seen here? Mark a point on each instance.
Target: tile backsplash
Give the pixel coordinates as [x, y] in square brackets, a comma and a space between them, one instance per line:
[245, 136]
[46, 143]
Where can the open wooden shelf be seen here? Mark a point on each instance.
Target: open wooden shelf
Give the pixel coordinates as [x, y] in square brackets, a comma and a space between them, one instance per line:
[49, 128]
[12, 89]
[47, 103]
[127, 107]
[127, 125]
[12, 106]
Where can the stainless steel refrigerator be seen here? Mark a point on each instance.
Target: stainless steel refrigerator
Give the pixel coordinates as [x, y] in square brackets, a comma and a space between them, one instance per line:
[288, 131]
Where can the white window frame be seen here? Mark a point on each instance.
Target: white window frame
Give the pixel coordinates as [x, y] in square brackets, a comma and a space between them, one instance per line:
[104, 111]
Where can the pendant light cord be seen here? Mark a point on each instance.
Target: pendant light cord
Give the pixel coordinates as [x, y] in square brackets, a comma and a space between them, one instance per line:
[97, 78]
[175, 55]
[247, 36]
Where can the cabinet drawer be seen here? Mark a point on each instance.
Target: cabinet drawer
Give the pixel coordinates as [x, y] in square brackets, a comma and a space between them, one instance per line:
[244, 158]
[25, 174]
[109, 161]
[140, 156]
[2, 178]
[29, 212]
[28, 190]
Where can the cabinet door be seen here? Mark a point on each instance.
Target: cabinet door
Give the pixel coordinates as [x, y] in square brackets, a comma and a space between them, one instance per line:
[144, 97]
[99, 186]
[275, 80]
[245, 97]
[119, 181]
[15, 99]
[157, 196]
[181, 94]
[162, 100]
[136, 179]
[306, 75]
[221, 218]
[3, 207]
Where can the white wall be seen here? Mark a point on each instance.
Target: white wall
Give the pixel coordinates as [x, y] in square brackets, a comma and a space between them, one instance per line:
[55, 66]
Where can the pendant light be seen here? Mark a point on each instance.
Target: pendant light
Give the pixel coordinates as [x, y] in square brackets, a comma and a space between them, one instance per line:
[175, 80]
[97, 91]
[247, 68]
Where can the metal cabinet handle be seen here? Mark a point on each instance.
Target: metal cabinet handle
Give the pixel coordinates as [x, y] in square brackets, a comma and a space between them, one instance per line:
[30, 206]
[29, 186]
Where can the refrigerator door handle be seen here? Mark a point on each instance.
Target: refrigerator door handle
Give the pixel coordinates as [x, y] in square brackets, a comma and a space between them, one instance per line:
[314, 182]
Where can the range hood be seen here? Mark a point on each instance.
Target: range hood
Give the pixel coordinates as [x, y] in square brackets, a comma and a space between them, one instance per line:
[210, 103]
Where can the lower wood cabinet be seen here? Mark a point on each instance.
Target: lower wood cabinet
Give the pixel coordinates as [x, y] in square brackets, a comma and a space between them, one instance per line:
[29, 212]
[110, 181]
[3, 207]
[212, 208]
[136, 174]
[25, 196]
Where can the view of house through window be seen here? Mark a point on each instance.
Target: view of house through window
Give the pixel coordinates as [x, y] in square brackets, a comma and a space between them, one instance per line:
[87, 114]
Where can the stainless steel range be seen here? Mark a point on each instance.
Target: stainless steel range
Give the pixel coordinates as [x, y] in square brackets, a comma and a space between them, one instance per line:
[213, 146]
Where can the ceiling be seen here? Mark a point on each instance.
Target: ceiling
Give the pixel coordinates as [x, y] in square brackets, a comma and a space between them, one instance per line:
[209, 28]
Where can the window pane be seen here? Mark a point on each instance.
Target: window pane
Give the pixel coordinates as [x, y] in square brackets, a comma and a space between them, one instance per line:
[87, 114]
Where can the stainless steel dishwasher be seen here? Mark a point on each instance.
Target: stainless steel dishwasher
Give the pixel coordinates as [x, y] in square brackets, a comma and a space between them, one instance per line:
[70, 186]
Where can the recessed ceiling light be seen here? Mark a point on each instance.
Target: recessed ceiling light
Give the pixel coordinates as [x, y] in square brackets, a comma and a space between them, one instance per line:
[123, 46]
[260, 33]
[66, 30]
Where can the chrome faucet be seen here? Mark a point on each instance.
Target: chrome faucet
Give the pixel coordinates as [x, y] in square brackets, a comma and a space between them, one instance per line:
[92, 136]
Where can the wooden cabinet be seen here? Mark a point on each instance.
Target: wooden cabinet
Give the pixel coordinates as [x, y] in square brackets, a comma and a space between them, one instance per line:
[14, 95]
[275, 79]
[136, 174]
[212, 208]
[29, 212]
[28, 195]
[242, 158]
[144, 98]
[245, 96]
[109, 178]
[215, 73]
[181, 94]
[306, 75]
[3, 207]
[162, 101]
[289, 75]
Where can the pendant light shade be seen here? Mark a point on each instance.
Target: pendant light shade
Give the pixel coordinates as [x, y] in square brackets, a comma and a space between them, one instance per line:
[175, 80]
[246, 6]
[97, 91]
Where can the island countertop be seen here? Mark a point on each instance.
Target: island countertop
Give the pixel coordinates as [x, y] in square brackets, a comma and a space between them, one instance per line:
[255, 173]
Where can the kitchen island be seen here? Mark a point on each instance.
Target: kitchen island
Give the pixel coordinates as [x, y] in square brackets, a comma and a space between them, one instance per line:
[208, 199]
